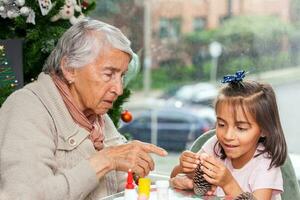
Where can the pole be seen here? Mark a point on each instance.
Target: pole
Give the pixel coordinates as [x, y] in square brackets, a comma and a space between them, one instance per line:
[213, 71]
[147, 47]
[154, 127]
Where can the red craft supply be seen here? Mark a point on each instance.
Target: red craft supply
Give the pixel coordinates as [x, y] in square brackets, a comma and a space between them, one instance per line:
[129, 183]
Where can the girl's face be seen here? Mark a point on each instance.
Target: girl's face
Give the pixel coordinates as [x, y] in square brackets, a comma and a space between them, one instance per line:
[238, 135]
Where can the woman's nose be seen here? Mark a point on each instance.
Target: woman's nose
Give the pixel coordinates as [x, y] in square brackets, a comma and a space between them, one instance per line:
[118, 87]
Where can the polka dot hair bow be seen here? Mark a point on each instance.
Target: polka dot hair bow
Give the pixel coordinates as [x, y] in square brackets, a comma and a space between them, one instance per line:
[237, 77]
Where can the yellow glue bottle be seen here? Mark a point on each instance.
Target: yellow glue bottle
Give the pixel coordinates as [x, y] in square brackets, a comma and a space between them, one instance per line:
[144, 189]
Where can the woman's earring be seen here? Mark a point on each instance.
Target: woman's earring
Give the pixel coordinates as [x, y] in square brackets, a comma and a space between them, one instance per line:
[70, 82]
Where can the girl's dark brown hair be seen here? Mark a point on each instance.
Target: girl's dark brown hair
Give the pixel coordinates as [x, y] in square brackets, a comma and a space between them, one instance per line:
[260, 101]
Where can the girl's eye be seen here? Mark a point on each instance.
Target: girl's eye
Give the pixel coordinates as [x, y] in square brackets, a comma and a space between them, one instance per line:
[242, 129]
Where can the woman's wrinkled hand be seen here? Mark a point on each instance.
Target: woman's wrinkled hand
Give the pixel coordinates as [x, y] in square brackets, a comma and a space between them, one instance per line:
[134, 155]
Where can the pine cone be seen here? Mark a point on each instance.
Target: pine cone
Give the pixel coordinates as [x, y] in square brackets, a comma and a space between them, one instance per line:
[245, 196]
[201, 186]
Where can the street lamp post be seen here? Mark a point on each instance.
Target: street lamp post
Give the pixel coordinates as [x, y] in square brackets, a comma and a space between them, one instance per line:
[147, 48]
[215, 50]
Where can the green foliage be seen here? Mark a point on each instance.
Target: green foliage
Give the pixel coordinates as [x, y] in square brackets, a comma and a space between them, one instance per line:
[200, 37]
[168, 77]
[256, 43]
[124, 14]
[295, 11]
[253, 34]
[39, 39]
[115, 113]
[7, 78]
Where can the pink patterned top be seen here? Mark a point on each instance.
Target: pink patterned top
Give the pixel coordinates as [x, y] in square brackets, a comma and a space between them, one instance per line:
[254, 175]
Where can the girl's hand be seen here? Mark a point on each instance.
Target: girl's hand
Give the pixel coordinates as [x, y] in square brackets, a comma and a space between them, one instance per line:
[182, 182]
[215, 172]
[211, 191]
[189, 161]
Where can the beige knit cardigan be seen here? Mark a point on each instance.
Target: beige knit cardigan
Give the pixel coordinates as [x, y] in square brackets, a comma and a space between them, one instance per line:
[43, 152]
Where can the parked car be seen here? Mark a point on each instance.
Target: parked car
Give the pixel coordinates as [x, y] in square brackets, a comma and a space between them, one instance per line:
[200, 93]
[176, 128]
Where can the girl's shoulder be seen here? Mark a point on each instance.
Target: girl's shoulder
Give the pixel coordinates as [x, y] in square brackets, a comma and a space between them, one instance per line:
[261, 159]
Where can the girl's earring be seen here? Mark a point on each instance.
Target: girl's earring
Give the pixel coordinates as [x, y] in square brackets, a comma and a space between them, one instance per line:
[70, 82]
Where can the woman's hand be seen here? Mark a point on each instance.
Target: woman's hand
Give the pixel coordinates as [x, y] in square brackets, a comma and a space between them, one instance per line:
[189, 161]
[134, 155]
[182, 182]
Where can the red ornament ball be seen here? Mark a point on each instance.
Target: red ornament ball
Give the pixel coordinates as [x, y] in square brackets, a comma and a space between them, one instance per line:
[126, 116]
[84, 4]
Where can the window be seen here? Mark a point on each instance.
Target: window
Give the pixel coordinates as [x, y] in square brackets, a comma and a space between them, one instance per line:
[199, 24]
[169, 27]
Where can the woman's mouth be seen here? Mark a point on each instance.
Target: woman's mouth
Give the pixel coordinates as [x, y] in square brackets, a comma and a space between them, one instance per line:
[108, 102]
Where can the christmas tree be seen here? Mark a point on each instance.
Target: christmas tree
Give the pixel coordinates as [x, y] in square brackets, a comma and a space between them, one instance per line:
[7, 78]
[40, 23]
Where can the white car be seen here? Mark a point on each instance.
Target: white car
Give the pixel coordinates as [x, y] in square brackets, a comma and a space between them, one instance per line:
[200, 93]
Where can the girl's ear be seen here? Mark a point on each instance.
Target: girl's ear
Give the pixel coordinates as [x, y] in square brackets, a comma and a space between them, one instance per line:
[68, 72]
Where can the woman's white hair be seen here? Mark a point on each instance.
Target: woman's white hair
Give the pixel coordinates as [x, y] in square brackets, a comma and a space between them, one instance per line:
[82, 42]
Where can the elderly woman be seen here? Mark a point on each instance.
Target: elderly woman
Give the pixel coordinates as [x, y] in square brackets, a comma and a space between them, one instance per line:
[56, 140]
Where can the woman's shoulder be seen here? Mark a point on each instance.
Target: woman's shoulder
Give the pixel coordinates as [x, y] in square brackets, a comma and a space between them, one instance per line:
[112, 136]
[21, 99]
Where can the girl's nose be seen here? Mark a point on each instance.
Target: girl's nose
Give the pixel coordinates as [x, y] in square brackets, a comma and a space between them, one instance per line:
[230, 134]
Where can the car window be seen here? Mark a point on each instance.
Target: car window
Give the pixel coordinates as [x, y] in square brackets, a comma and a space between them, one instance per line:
[172, 120]
[144, 120]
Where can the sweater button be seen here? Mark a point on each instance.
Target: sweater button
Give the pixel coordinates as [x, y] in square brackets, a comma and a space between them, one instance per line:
[72, 142]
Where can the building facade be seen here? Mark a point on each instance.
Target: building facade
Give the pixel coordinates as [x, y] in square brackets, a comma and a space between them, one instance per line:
[171, 19]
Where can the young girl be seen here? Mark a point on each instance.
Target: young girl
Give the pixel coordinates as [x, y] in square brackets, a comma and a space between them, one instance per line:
[249, 147]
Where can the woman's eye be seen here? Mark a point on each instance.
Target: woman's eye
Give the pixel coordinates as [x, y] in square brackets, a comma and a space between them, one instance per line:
[220, 125]
[107, 76]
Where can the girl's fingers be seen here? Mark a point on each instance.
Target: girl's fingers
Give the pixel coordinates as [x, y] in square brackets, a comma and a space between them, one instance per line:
[191, 160]
[209, 166]
[189, 166]
[212, 190]
[209, 179]
[212, 160]
[182, 182]
[208, 172]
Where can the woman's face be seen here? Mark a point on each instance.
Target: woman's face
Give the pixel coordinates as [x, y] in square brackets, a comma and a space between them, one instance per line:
[97, 85]
[238, 135]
